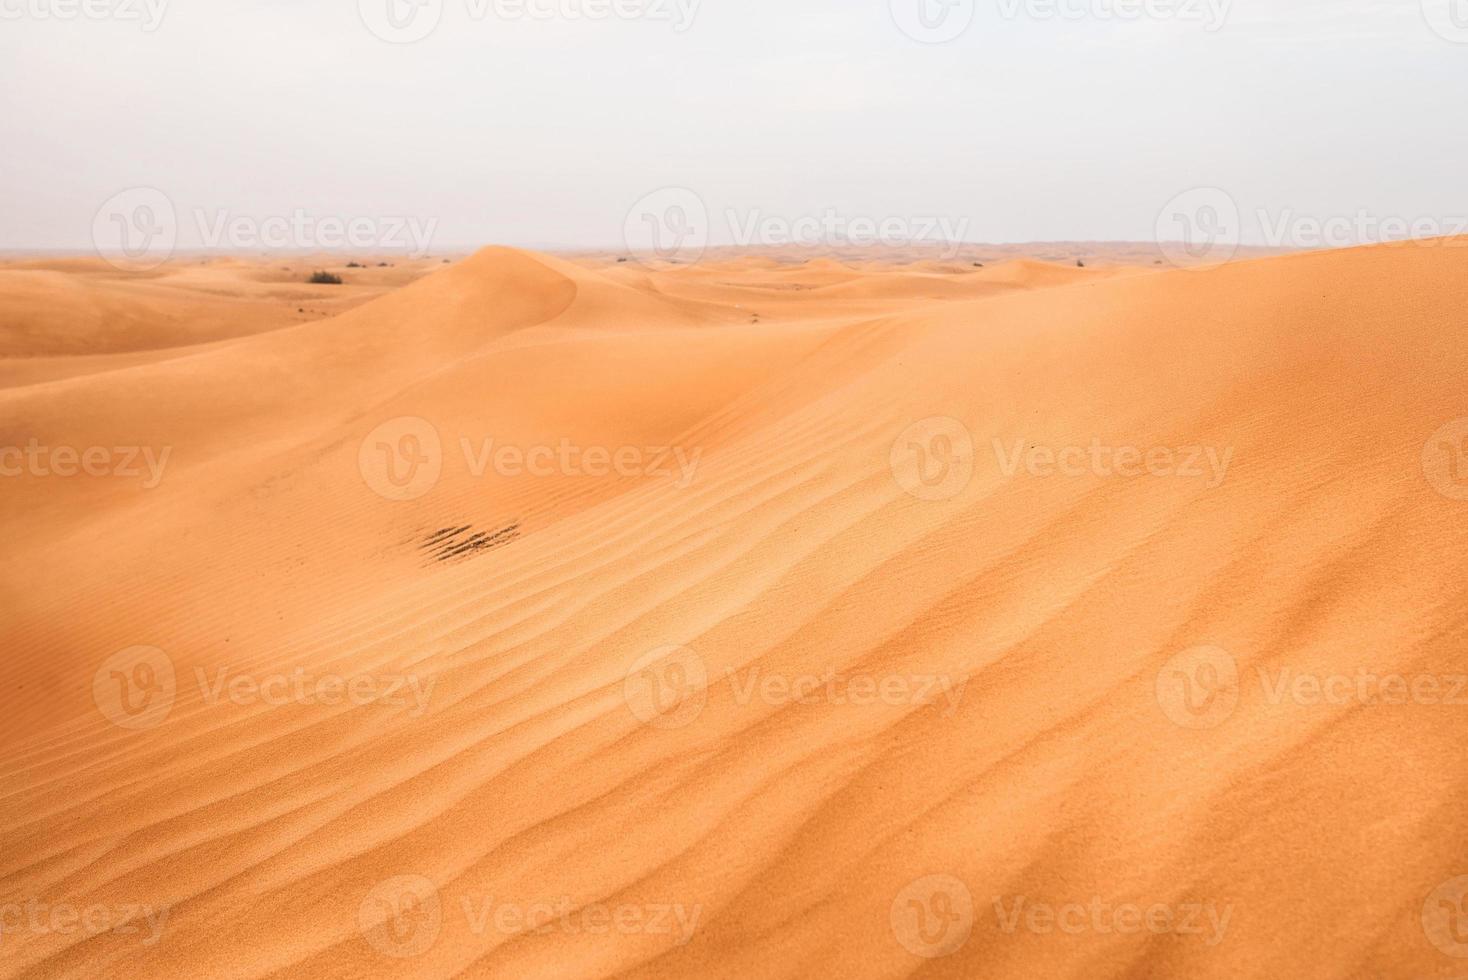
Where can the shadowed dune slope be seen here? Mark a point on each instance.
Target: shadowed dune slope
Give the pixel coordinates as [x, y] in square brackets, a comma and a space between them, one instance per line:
[1076, 528]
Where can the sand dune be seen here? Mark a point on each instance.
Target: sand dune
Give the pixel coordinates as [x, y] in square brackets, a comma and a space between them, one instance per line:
[548, 617]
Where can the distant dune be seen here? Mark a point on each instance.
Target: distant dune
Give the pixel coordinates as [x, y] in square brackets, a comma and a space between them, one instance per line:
[567, 617]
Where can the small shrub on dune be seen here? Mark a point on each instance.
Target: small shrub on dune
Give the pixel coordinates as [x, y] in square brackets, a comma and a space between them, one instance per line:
[325, 279]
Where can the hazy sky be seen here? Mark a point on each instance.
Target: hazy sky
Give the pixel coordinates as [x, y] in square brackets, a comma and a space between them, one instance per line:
[542, 122]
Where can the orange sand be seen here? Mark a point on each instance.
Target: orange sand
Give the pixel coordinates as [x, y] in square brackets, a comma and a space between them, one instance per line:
[838, 619]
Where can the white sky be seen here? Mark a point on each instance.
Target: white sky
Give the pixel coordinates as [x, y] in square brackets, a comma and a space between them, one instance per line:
[544, 132]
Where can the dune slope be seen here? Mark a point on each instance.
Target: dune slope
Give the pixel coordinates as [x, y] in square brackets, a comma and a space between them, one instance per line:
[544, 620]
